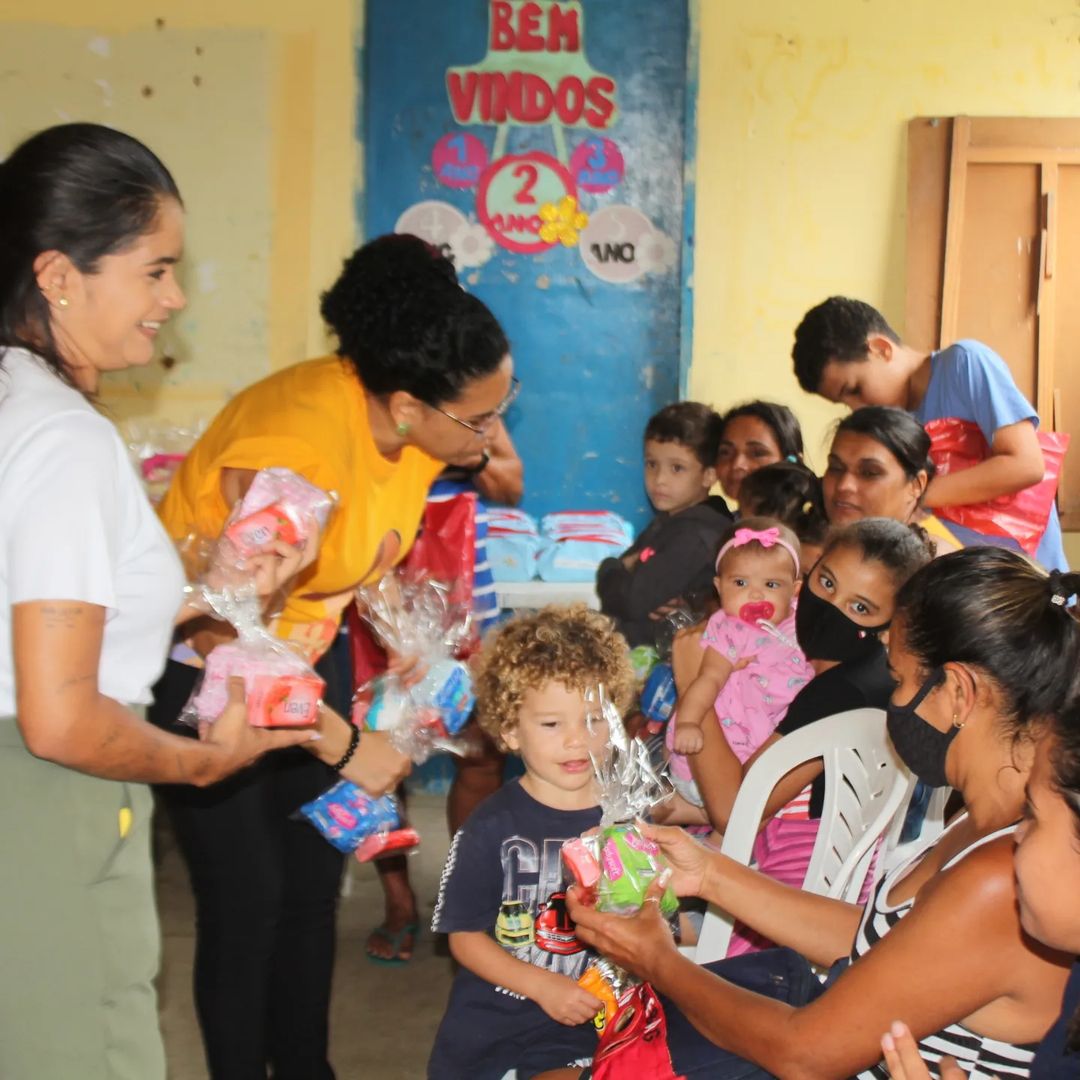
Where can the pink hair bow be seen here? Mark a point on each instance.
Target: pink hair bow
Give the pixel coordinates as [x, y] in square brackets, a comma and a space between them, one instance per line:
[767, 538]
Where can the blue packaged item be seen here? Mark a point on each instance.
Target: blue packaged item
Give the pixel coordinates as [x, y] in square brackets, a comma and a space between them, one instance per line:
[448, 688]
[658, 697]
[442, 699]
[576, 542]
[513, 544]
[512, 558]
[346, 815]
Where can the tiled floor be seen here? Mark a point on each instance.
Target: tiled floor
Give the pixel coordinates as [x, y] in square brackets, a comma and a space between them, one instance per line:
[383, 1018]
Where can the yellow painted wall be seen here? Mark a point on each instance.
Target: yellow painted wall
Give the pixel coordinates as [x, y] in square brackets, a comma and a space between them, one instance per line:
[801, 168]
[251, 104]
[801, 161]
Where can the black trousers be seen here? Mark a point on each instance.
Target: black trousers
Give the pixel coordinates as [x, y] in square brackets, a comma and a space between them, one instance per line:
[266, 890]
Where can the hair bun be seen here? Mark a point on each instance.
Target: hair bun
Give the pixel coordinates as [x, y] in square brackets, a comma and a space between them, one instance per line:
[1063, 587]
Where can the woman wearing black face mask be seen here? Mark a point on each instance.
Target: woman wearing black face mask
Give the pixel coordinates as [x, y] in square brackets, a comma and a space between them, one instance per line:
[844, 607]
[960, 970]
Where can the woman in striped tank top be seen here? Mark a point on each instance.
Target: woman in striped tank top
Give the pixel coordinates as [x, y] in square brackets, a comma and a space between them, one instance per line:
[1047, 864]
[984, 649]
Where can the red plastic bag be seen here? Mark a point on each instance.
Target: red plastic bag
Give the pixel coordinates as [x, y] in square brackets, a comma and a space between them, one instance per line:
[959, 444]
[445, 550]
[634, 1044]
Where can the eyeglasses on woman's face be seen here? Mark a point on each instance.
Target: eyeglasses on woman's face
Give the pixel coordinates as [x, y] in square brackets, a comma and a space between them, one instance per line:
[482, 424]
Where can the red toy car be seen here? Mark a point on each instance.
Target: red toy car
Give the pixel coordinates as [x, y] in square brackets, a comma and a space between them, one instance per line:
[555, 928]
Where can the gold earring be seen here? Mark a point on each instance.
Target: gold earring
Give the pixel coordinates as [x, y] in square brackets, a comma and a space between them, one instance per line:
[956, 721]
[62, 301]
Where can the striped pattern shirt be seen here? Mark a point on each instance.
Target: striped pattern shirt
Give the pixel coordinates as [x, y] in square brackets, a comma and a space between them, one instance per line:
[979, 1056]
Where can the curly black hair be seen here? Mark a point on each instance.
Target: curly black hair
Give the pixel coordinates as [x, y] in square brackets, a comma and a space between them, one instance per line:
[836, 329]
[404, 323]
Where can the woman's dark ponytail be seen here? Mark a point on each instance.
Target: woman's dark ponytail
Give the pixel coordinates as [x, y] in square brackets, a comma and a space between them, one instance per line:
[996, 610]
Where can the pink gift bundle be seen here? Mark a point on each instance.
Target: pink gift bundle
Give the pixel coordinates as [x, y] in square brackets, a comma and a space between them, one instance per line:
[281, 689]
[279, 505]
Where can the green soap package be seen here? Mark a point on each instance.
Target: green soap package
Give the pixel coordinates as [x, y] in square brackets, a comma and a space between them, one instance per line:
[628, 864]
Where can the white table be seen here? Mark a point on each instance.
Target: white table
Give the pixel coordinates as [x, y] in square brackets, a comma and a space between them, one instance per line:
[538, 594]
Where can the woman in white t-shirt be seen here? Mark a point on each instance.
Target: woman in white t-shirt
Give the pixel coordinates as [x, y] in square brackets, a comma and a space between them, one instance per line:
[91, 228]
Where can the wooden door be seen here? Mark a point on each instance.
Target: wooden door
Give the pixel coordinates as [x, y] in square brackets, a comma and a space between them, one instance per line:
[994, 254]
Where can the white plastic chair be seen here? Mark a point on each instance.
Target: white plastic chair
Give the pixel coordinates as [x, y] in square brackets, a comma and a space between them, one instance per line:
[865, 787]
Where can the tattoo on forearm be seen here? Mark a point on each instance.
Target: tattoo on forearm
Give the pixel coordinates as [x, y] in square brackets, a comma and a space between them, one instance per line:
[62, 616]
[76, 680]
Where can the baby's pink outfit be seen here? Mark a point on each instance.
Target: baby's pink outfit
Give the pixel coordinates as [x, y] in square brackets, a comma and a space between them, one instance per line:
[754, 698]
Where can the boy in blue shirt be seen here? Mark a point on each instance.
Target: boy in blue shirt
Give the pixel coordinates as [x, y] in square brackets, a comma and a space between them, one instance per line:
[846, 352]
[515, 1002]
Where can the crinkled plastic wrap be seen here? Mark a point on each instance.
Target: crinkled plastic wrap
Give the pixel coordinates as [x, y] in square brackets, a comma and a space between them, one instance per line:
[281, 688]
[157, 451]
[617, 864]
[629, 782]
[413, 616]
[668, 627]
[609, 982]
[279, 505]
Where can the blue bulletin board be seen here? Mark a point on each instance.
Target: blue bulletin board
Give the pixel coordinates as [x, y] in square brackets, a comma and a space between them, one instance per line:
[543, 146]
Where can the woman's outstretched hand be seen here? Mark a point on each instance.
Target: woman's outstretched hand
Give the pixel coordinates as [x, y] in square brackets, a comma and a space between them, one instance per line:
[236, 744]
[690, 861]
[638, 943]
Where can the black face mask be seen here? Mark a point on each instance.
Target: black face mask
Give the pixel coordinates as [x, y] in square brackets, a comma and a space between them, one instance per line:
[922, 748]
[824, 632]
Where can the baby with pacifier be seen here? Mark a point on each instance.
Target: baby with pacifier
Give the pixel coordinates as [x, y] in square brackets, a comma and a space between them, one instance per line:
[753, 667]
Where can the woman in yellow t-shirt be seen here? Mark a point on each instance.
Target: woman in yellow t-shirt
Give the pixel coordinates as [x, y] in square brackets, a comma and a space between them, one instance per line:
[420, 379]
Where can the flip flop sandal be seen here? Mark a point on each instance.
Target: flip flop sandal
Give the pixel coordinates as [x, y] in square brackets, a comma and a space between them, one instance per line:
[394, 939]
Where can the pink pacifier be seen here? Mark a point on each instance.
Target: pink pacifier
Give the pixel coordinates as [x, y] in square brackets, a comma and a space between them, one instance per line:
[757, 610]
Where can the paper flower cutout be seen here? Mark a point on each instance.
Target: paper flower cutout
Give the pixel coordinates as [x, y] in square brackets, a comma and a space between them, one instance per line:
[563, 221]
[471, 246]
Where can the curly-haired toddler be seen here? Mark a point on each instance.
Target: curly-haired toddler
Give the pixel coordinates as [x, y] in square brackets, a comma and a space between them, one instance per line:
[515, 1002]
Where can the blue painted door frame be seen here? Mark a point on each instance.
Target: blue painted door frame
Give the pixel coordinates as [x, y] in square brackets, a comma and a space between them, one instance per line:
[595, 359]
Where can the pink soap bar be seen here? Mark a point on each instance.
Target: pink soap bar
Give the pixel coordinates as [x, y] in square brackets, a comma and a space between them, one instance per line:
[281, 690]
[256, 532]
[279, 504]
[582, 862]
[284, 701]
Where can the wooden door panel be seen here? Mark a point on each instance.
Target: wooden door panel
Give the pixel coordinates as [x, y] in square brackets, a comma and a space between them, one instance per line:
[1066, 330]
[1000, 259]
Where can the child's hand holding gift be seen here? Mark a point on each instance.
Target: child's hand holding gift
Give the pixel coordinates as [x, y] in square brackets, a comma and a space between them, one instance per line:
[564, 1001]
